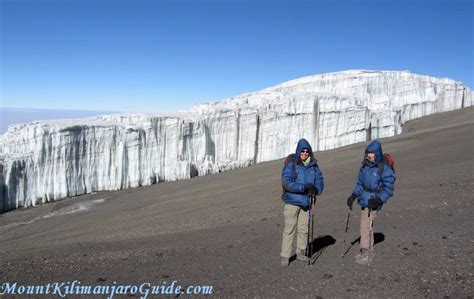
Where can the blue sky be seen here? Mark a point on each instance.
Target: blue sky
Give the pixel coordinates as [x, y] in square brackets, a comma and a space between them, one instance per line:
[144, 55]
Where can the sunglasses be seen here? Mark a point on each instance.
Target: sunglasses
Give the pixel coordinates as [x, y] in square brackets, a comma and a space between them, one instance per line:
[305, 151]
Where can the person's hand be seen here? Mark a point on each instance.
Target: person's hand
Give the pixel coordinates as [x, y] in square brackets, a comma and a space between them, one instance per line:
[350, 200]
[375, 203]
[311, 188]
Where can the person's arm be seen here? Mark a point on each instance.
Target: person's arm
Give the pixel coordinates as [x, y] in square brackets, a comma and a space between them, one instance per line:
[359, 184]
[288, 182]
[319, 181]
[388, 182]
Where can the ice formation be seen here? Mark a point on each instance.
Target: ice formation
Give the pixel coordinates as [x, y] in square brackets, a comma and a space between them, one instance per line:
[48, 160]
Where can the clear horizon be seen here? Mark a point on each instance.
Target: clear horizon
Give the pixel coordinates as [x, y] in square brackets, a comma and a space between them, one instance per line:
[162, 56]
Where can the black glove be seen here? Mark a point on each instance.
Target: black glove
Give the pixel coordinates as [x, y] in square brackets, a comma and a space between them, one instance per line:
[375, 203]
[350, 200]
[311, 188]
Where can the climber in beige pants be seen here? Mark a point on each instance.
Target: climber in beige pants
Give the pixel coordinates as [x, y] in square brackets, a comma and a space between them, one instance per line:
[366, 231]
[296, 222]
[301, 178]
[374, 186]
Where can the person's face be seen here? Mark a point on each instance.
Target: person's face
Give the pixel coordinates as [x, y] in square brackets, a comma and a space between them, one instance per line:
[371, 157]
[304, 154]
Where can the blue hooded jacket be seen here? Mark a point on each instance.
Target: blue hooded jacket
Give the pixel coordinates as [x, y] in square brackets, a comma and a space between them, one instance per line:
[371, 182]
[294, 186]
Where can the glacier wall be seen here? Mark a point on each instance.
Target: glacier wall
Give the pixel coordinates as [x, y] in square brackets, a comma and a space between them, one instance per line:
[48, 160]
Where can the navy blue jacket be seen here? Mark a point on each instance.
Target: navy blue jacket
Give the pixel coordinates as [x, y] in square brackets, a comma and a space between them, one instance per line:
[294, 186]
[372, 182]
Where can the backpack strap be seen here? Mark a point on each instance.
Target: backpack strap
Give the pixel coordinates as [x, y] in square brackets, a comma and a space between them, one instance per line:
[386, 160]
[382, 166]
[291, 158]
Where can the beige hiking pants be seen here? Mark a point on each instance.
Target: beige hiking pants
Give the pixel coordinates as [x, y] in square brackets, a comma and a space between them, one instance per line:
[366, 229]
[296, 222]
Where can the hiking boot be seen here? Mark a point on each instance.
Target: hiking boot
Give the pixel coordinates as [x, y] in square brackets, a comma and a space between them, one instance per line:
[361, 253]
[364, 257]
[301, 256]
[285, 261]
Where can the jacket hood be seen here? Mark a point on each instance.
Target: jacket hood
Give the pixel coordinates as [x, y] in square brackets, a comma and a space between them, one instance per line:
[375, 147]
[302, 144]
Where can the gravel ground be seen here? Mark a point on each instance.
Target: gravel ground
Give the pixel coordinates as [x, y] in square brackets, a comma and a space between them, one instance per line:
[225, 230]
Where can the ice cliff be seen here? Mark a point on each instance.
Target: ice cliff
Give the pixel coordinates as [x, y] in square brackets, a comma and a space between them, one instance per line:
[48, 160]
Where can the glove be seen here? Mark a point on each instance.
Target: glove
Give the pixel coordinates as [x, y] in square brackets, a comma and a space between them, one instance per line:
[375, 203]
[350, 200]
[311, 188]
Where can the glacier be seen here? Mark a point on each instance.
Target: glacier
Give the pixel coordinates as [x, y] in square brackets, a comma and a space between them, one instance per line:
[45, 161]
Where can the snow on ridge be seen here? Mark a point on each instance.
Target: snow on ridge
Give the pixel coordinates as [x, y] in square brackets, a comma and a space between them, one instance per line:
[350, 83]
[48, 160]
[119, 119]
[357, 74]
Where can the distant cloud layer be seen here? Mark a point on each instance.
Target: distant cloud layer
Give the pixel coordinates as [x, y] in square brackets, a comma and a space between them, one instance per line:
[9, 116]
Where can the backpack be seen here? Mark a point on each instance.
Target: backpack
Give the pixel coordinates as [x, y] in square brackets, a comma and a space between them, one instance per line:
[387, 159]
[292, 158]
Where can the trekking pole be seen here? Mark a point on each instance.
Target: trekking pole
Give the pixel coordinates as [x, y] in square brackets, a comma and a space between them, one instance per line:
[313, 207]
[307, 238]
[345, 233]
